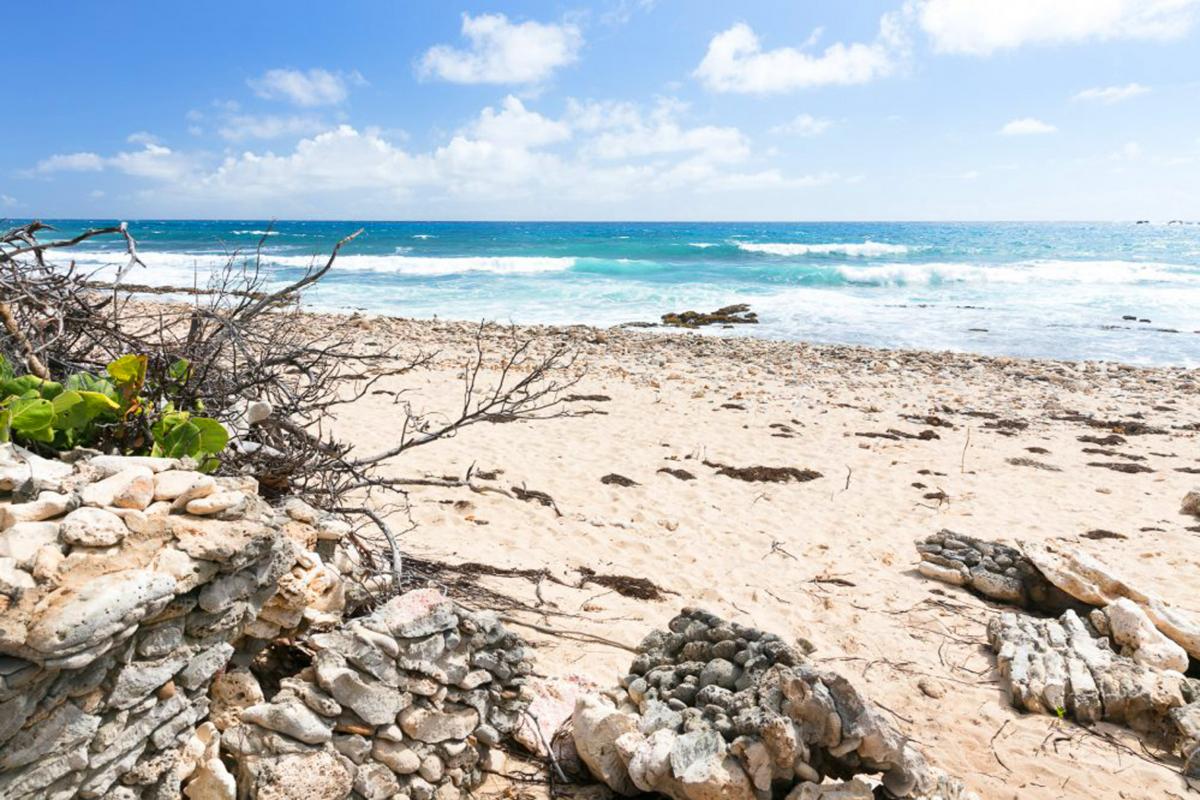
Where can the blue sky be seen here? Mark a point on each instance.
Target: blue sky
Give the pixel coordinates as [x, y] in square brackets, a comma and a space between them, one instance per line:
[621, 109]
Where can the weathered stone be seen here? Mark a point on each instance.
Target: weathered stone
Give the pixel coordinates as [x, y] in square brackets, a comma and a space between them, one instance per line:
[112, 465]
[318, 775]
[132, 487]
[1090, 581]
[216, 503]
[231, 693]
[13, 579]
[204, 665]
[20, 467]
[138, 679]
[172, 484]
[417, 613]
[46, 506]
[374, 702]
[375, 782]
[93, 527]
[399, 758]
[1129, 626]
[77, 616]
[22, 541]
[1191, 504]
[291, 718]
[64, 729]
[431, 726]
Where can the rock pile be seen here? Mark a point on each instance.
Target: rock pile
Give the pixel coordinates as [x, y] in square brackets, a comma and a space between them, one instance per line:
[713, 710]
[409, 701]
[126, 584]
[1117, 652]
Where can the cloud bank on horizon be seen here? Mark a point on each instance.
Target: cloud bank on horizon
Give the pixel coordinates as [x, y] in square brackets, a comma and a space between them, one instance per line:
[644, 109]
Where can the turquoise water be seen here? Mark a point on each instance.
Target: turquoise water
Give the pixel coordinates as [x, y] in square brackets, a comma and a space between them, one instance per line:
[1026, 289]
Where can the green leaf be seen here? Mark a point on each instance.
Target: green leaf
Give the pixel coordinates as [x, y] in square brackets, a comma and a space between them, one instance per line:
[74, 411]
[84, 382]
[26, 383]
[180, 371]
[128, 369]
[182, 440]
[213, 436]
[30, 415]
[6, 370]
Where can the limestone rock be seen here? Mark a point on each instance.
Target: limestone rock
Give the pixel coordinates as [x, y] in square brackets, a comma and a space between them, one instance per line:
[216, 503]
[22, 541]
[431, 726]
[93, 527]
[46, 506]
[1087, 579]
[399, 758]
[291, 718]
[74, 616]
[20, 467]
[132, 487]
[317, 775]
[172, 484]
[232, 692]
[1129, 626]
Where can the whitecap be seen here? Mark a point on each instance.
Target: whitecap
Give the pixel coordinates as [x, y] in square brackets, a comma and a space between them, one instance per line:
[855, 249]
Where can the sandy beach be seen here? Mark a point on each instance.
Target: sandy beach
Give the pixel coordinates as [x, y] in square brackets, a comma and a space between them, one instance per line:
[905, 444]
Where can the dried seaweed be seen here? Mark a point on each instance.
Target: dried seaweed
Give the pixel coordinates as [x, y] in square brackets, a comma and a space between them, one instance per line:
[760, 474]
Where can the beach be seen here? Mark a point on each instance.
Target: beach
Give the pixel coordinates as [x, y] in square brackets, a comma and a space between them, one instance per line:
[906, 443]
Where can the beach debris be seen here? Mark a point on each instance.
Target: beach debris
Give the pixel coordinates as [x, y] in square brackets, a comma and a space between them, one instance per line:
[1191, 503]
[739, 314]
[1121, 466]
[1103, 441]
[625, 585]
[681, 474]
[1025, 461]
[613, 479]
[1041, 451]
[534, 496]
[712, 709]
[586, 398]
[759, 474]
[1100, 451]
[1130, 427]
[896, 435]
[1100, 533]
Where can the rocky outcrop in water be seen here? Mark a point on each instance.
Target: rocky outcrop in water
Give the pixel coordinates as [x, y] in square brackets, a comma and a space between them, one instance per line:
[713, 710]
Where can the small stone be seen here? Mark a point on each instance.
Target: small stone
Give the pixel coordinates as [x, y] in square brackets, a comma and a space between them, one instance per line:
[1191, 504]
[217, 503]
[174, 483]
[375, 782]
[130, 488]
[22, 541]
[432, 769]
[431, 726]
[291, 718]
[46, 563]
[47, 506]
[231, 693]
[399, 758]
[111, 465]
[13, 579]
[93, 527]
[931, 688]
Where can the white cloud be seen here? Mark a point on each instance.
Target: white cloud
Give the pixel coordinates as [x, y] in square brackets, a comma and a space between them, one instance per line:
[152, 161]
[1026, 126]
[515, 126]
[71, 162]
[981, 27]
[736, 62]
[1130, 151]
[239, 127]
[142, 137]
[1111, 94]
[803, 125]
[7, 200]
[316, 87]
[500, 51]
[508, 157]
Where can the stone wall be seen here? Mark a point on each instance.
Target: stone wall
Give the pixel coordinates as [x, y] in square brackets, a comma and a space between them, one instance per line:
[134, 595]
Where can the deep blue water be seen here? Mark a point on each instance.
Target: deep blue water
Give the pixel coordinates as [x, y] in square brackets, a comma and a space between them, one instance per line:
[1029, 289]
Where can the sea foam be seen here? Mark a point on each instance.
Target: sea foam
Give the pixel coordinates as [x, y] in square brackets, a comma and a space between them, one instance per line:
[854, 249]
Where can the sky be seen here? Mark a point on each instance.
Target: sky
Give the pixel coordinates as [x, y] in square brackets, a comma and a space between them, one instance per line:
[609, 110]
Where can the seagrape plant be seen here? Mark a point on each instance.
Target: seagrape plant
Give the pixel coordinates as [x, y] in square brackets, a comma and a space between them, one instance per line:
[108, 412]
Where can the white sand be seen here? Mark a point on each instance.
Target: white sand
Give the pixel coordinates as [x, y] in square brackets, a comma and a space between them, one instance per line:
[831, 560]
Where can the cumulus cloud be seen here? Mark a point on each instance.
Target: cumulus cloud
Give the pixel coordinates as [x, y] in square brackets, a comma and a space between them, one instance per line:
[593, 153]
[500, 51]
[314, 87]
[736, 62]
[803, 125]
[981, 27]
[1111, 94]
[153, 161]
[1026, 126]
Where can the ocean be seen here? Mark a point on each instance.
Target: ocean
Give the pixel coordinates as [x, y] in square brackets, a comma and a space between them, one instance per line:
[1102, 291]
